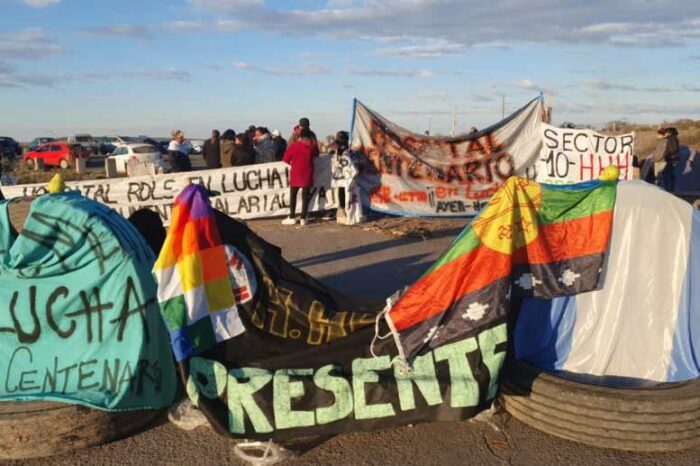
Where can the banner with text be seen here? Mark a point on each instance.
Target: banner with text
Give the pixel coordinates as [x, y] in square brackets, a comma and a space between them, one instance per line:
[576, 155]
[406, 173]
[255, 191]
[291, 358]
[80, 321]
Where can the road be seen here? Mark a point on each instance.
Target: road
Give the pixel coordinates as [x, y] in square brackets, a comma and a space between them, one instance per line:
[373, 264]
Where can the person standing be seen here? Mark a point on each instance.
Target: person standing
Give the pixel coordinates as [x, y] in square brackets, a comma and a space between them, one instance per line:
[264, 146]
[300, 155]
[227, 144]
[280, 145]
[668, 150]
[212, 150]
[243, 152]
[340, 160]
[178, 152]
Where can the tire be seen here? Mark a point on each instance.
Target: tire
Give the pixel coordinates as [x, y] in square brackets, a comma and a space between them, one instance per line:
[37, 429]
[665, 417]
[63, 164]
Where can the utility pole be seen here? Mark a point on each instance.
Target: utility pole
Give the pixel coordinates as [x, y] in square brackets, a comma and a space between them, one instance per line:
[453, 121]
[503, 107]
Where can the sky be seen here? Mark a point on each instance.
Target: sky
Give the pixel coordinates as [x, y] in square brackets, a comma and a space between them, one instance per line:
[130, 67]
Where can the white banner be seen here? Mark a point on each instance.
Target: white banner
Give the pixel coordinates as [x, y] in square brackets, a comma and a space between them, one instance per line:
[254, 191]
[576, 155]
[411, 174]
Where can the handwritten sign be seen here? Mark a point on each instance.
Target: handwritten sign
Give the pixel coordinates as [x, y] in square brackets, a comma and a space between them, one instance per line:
[573, 156]
[255, 191]
[79, 321]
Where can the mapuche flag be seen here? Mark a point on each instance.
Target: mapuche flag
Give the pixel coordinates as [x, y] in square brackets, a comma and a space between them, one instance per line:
[531, 240]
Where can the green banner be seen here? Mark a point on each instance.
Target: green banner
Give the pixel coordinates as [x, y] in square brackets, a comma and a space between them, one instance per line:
[79, 319]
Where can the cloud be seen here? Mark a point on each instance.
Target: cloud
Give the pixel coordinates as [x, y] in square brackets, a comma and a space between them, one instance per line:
[169, 74]
[385, 72]
[12, 77]
[27, 44]
[40, 3]
[456, 25]
[607, 86]
[429, 49]
[302, 70]
[432, 95]
[528, 85]
[184, 25]
[121, 30]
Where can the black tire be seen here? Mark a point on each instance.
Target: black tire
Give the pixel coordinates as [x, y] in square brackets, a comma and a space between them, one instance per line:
[37, 429]
[665, 417]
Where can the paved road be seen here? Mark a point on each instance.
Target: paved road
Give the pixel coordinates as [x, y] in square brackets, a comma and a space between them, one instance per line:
[373, 264]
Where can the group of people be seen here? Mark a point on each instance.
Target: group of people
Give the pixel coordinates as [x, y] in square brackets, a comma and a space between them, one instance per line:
[667, 150]
[258, 145]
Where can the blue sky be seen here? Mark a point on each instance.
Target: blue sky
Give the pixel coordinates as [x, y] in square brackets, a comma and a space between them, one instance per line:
[149, 66]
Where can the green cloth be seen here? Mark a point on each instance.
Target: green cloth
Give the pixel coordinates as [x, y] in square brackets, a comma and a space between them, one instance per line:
[79, 318]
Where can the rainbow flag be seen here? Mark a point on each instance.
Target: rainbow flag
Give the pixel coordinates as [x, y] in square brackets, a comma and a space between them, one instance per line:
[531, 240]
[201, 281]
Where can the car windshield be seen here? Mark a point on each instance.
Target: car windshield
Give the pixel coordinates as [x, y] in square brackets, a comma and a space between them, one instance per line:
[142, 150]
[83, 138]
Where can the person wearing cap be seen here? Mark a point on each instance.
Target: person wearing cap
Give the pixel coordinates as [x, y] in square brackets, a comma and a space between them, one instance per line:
[304, 123]
[280, 145]
[178, 152]
[300, 155]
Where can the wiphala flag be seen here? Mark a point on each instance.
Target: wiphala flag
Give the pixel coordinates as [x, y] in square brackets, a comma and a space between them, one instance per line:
[301, 364]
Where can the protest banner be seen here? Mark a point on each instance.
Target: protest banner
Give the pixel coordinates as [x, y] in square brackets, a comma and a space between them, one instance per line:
[280, 355]
[410, 174]
[255, 191]
[79, 321]
[576, 155]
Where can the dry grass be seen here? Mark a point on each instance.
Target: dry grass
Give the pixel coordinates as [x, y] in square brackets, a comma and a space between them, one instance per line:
[645, 135]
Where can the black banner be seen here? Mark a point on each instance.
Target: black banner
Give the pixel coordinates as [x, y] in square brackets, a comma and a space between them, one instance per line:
[303, 367]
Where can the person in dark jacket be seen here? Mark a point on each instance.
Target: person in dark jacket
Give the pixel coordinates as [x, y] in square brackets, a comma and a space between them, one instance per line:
[668, 150]
[280, 145]
[212, 150]
[243, 152]
[226, 147]
[300, 155]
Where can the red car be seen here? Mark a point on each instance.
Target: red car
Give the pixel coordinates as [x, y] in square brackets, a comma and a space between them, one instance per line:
[56, 154]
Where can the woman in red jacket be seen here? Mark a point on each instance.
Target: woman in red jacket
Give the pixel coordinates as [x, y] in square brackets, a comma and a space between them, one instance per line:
[300, 155]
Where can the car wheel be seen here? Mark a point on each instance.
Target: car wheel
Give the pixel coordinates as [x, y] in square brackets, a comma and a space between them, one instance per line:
[663, 417]
[64, 164]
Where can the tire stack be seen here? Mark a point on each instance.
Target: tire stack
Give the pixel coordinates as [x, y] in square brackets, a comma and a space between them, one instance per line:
[665, 417]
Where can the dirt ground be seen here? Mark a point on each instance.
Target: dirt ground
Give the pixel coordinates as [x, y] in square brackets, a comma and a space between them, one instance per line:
[374, 263]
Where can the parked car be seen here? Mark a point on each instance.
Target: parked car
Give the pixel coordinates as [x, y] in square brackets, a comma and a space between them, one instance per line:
[86, 141]
[9, 148]
[138, 151]
[197, 146]
[36, 142]
[55, 154]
